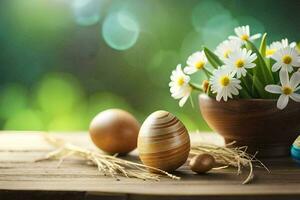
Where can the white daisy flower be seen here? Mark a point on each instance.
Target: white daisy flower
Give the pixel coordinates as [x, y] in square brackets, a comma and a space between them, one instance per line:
[179, 85]
[275, 46]
[286, 59]
[240, 60]
[243, 34]
[227, 47]
[224, 84]
[287, 89]
[195, 62]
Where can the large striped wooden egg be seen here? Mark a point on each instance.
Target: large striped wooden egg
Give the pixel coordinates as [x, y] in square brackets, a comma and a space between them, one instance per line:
[163, 141]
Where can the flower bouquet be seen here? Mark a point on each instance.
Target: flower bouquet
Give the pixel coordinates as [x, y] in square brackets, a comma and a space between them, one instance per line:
[259, 83]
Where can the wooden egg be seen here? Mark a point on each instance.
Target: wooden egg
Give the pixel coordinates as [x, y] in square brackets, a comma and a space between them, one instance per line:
[114, 131]
[202, 163]
[163, 141]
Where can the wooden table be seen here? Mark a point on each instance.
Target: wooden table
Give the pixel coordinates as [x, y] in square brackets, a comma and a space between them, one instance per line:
[21, 178]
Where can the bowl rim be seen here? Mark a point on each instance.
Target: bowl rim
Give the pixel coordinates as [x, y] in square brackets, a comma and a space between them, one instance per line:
[205, 96]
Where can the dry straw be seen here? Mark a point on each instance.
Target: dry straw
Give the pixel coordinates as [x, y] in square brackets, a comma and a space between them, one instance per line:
[113, 166]
[230, 157]
[107, 165]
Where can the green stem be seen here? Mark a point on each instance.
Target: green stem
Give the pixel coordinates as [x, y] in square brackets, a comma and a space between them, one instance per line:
[247, 85]
[191, 101]
[245, 94]
[259, 87]
[208, 73]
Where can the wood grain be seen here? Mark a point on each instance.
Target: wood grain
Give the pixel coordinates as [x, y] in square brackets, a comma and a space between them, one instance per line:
[22, 178]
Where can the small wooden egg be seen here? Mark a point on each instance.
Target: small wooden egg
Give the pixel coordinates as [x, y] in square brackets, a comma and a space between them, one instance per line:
[163, 141]
[202, 163]
[114, 131]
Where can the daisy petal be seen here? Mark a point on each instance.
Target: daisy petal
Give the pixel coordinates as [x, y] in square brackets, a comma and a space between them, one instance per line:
[256, 36]
[225, 97]
[289, 69]
[179, 85]
[276, 89]
[276, 67]
[189, 70]
[183, 100]
[282, 101]
[296, 62]
[250, 65]
[284, 77]
[235, 91]
[218, 97]
[295, 97]
[295, 80]
[293, 44]
[233, 37]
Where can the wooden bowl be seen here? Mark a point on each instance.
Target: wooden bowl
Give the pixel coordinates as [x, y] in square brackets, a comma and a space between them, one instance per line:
[256, 123]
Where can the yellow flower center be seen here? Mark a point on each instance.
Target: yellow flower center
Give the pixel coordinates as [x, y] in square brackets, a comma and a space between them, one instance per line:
[239, 63]
[245, 37]
[287, 59]
[270, 52]
[199, 64]
[224, 81]
[180, 81]
[287, 90]
[226, 53]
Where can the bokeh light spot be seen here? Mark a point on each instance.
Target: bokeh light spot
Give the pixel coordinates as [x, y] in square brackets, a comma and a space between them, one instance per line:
[255, 25]
[13, 99]
[70, 122]
[102, 101]
[120, 30]
[204, 11]
[24, 120]
[141, 54]
[191, 43]
[217, 29]
[58, 94]
[37, 19]
[161, 64]
[86, 12]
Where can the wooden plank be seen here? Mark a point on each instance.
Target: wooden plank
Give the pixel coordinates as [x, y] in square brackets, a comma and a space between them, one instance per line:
[34, 141]
[18, 172]
[204, 197]
[45, 195]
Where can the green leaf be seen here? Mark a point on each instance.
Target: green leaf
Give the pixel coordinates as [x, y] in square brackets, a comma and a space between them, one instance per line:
[244, 92]
[196, 87]
[263, 45]
[261, 72]
[260, 87]
[213, 58]
[246, 84]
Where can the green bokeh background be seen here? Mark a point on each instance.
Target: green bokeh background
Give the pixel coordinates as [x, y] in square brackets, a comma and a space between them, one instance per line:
[60, 65]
